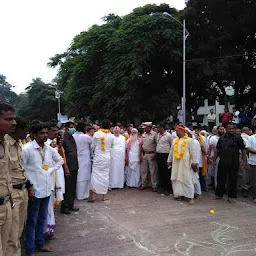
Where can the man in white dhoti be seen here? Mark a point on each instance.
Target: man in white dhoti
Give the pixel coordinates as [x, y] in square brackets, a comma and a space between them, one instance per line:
[195, 175]
[117, 162]
[182, 160]
[83, 145]
[132, 160]
[102, 144]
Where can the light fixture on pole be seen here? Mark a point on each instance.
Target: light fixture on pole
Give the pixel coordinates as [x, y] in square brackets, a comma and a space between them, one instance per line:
[57, 96]
[185, 35]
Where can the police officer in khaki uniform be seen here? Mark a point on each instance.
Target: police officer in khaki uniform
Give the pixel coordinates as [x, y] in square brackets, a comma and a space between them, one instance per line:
[148, 156]
[7, 125]
[20, 187]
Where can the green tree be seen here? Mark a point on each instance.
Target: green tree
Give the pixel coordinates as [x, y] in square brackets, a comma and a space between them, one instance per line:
[38, 102]
[223, 44]
[6, 93]
[127, 68]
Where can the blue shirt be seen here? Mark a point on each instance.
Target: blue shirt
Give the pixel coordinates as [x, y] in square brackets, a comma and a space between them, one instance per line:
[244, 116]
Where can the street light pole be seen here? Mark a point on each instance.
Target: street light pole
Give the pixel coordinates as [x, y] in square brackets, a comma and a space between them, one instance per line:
[184, 72]
[185, 35]
[57, 96]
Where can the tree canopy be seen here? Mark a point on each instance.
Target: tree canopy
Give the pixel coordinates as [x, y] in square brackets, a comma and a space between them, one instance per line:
[128, 67]
[6, 93]
[223, 49]
[131, 66]
[38, 102]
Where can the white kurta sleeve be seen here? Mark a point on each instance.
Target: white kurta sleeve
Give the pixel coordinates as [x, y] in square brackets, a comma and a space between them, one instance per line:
[25, 155]
[58, 161]
[89, 140]
[192, 151]
[94, 142]
[170, 157]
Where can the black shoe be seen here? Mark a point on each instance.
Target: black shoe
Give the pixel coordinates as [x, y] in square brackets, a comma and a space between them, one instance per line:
[160, 191]
[65, 211]
[74, 209]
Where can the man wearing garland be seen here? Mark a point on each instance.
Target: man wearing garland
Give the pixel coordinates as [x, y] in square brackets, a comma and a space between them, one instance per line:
[182, 159]
[102, 143]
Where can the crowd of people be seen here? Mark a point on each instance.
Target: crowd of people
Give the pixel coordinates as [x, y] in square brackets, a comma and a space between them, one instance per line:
[46, 167]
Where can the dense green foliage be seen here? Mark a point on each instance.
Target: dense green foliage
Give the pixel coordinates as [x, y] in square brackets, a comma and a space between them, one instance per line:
[124, 68]
[38, 102]
[132, 66]
[6, 93]
[223, 42]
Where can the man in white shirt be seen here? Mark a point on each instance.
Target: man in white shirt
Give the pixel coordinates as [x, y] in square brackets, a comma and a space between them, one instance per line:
[245, 134]
[117, 160]
[180, 115]
[235, 119]
[243, 176]
[251, 148]
[211, 118]
[164, 143]
[40, 161]
[83, 145]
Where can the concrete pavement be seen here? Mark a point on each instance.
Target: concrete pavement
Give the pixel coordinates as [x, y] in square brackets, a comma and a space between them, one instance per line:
[144, 223]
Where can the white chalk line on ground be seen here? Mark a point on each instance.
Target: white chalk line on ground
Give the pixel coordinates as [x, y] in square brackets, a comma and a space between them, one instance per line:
[223, 246]
[138, 238]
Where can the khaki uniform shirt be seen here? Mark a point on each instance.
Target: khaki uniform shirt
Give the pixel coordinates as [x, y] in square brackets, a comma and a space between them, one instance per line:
[164, 143]
[149, 141]
[17, 170]
[5, 179]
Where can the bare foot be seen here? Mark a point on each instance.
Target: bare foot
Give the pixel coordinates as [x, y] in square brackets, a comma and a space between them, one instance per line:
[91, 198]
[191, 201]
[217, 197]
[104, 198]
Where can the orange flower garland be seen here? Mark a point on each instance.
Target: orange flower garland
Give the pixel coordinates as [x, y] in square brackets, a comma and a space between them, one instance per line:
[178, 155]
[103, 143]
[104, 130]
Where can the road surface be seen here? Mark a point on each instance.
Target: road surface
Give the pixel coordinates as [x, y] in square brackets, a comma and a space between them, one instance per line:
[144, 223]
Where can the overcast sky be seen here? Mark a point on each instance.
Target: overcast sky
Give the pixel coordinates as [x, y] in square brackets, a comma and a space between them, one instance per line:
[33, 31]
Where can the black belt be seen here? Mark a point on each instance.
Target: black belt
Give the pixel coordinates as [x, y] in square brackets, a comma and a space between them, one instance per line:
[150, 152]
[4, 200]
[20, 186]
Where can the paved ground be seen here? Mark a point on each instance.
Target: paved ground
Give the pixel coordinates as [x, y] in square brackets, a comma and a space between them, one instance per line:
[144, 223]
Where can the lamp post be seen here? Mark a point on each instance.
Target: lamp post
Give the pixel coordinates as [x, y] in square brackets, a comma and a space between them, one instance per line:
[57, 96]
[185, 35]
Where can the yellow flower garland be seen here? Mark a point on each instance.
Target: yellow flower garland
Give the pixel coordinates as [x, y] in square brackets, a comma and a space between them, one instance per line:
[103, 143]
[104, 130]
[178, 155]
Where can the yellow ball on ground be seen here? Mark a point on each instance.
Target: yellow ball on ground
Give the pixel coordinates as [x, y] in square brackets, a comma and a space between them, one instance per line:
[212, 211]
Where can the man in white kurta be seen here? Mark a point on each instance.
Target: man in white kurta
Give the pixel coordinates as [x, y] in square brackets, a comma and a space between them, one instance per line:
[117, 162]
[132, 168]
[211, 152]
[182, 169]
[102, 143]
[83, 145]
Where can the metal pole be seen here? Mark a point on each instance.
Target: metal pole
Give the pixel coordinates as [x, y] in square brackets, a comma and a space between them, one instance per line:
[184, 72]
[59, 104]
